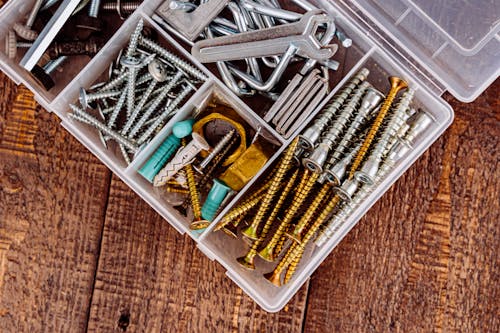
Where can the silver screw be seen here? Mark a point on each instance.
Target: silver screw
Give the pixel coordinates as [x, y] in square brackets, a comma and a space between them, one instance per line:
[94, 7]
[318, 157]
[308, 139]
[166, 113]
[173, 59]
[52, 65]
[218, 147]
[86, 98]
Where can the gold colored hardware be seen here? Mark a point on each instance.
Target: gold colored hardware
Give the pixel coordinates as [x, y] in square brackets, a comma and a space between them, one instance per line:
[284, 166]
[397, 85]
[293, 267]
[248, 260]
[246, 166]
[171, 189]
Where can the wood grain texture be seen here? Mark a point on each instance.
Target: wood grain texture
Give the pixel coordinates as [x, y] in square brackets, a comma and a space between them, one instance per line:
[52, 201]
[425, 257]
[151, 279]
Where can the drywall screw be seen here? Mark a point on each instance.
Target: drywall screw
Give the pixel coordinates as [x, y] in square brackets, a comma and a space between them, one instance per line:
[115, 83]
[248, 261]
[157, 101]
[158, 73]
[370, 166]
[134, 39]
[218, 147]
[296, 249]
[183, 156]
[306, 183]
[284, 166]
[94, 8]
[117, 108]
[316, 160]
[166, 113]
[133, 66]
[298, 231]
[125, 155]
[85, 98]
[397, 84]
[82, 115]
[312, 133]
[25, 31]
[173, 59]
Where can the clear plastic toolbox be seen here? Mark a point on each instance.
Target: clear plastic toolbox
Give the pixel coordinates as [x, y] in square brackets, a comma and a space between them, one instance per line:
[434, 45]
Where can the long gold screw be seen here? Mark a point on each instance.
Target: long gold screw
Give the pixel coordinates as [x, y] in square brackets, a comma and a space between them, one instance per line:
[293, 266]
[248, 260]
[281, 244]
[297, 232]
[284, 166]
[171, 189]
[294, 251]
[397, 84]
[307, 182]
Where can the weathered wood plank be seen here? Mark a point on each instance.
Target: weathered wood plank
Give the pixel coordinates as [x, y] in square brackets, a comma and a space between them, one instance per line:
[424, 259]
[52, 201]
[151, 279]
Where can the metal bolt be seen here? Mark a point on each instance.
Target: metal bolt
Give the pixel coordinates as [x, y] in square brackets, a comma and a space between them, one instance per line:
[121, 7]
[316, 160]
[312, 133]
[94, 8]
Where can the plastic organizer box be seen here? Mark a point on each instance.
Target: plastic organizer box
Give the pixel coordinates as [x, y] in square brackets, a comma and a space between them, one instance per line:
[434, 45]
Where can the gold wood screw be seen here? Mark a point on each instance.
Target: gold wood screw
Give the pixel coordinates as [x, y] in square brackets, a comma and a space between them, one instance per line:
[306, 183]
[248, 260]
[284, 166]
[171, 189]
[297, 232]
[293, 266]
[397, 84]
[294, 251]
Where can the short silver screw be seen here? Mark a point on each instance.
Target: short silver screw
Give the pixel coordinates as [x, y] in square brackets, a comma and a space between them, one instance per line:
[85, 98]
[94, 7]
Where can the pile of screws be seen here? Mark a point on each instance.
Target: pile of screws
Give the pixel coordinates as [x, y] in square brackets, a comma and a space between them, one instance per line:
[247, 39]
[338, 160]
[143, 92]
[81, 34]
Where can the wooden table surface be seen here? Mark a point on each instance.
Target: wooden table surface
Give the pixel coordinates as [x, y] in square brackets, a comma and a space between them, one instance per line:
[79, 251]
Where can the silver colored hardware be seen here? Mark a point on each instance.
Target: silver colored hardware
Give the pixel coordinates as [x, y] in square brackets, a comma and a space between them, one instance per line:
[173, 59]
[156, 103]
[81, 115]
[48, 34]
[344, 40]
[184, 6]
[191, 24]
[274, 77]
[52, 65]
[368, 171]
[308, 139]
[184, 156]
[48, 3]
[304, 5]
[289, 99]
[86, 98]
[369, 103]
[335, 173]
[318, 157]
[268, 42]
[118, 107]
[284, 97]
[167, 112]
[26, 31]
[218, 147]
[348, 188]
[270, 11]
[94, 8]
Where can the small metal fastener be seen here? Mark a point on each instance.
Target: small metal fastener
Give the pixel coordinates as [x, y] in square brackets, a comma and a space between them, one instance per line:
[25, 31]
[42, 74]
[94, 8]
[218, 147]
[121, 7]
[85, 98]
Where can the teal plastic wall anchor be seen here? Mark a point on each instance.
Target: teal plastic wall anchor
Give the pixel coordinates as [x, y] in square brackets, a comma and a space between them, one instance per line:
[183, 128]
[161, 156]
[214, 199]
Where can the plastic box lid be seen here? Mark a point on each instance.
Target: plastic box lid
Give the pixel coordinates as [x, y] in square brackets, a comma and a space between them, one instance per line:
[450, 45]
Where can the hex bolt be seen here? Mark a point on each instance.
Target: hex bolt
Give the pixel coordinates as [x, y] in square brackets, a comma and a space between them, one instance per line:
[397, 85]
[173, 59]
[371, 165]
[247, 261]
[94, 7]
[25, 31]
[370, 101]
[218, 147]
[81, 115]
[166, 113]
[42, 74]
[318, 157]
[284, 165]
[311, 135]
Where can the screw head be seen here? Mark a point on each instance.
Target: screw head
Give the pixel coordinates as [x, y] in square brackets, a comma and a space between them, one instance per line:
[158, 71]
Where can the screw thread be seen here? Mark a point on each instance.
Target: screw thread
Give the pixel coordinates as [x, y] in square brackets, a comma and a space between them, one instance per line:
[94, 8]
[134, 39]
[138, 108]
[218, 147]
[102, 95]
[242, 209]
[124, 7]
[116, 111]
[218, 160]
[194, 195]
[395, 88]
[293, 266]
[283, 167]
[173, 59]
[114, 83]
